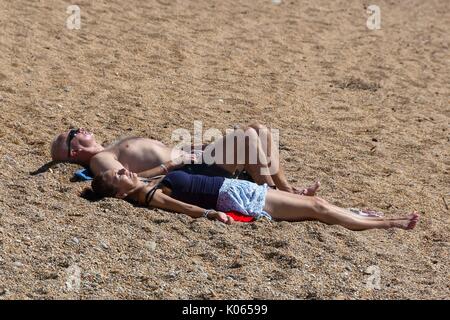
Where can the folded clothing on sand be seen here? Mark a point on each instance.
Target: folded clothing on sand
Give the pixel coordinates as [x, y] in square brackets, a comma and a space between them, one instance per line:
[237, 216]
[83, 174]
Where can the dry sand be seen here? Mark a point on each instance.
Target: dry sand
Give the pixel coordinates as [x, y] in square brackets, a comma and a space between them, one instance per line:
[366, 112]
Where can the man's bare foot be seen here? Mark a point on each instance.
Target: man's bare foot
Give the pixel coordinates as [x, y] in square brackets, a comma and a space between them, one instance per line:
[310, 191]
[408, 223]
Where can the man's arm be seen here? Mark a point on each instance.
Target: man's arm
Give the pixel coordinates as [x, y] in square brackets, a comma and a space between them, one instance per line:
[168, 166]
[104, 161]
[159, 170]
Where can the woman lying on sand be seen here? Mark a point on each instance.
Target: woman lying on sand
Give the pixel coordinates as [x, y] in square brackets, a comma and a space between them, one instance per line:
[203, 196]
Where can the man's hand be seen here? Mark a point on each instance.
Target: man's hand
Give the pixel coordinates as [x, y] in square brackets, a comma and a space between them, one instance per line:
[220, 216]
[185, 158]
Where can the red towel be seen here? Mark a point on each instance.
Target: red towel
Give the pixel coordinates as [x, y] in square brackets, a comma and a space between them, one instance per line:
[237, 216]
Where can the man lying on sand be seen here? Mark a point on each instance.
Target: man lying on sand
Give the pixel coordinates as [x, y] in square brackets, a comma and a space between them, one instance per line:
[149, 157]
[203, 196]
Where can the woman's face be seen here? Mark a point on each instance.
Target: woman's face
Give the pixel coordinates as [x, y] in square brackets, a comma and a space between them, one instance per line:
[123, 180]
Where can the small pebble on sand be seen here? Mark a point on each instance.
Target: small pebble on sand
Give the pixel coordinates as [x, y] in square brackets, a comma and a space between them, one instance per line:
[151, 245]
[18, 264]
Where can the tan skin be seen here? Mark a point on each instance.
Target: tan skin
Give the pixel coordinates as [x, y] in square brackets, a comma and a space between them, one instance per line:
[144, 156]
[280, 205]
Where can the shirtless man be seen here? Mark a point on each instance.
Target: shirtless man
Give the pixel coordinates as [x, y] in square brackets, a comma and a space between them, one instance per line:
[149, 157]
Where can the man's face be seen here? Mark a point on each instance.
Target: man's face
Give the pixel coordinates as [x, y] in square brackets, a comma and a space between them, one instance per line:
[68, 144]
[77, 139]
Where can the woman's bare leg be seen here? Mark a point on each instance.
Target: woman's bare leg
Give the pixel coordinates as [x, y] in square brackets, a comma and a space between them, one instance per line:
[283, 206]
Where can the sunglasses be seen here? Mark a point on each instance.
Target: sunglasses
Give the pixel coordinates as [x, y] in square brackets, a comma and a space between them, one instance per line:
[72, 134]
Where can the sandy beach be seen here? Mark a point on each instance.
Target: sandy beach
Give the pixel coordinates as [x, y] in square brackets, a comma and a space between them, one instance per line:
[366, 112]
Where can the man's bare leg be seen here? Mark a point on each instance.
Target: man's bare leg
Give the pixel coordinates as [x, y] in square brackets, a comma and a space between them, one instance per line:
[256, 170]
[232, 153]
[311, 190]
[248, 142]
[273, 154]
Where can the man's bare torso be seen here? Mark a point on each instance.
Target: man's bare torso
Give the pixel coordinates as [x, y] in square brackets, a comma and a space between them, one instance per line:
[135, 154]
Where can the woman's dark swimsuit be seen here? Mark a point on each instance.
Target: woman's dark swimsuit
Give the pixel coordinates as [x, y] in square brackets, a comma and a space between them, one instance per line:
[218, 193]
[196, 184]
[199, 190]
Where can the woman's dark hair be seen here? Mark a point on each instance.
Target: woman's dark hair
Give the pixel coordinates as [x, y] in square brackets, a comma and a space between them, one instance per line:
[102, 188]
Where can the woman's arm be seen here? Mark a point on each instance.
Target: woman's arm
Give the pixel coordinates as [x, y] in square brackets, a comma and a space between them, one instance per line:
[163, 201]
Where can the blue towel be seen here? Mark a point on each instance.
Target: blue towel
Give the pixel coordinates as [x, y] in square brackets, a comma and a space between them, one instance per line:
[84, 174]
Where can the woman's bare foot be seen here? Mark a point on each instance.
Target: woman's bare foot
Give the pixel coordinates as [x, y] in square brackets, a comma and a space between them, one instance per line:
[408, 223]
[310, 191]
